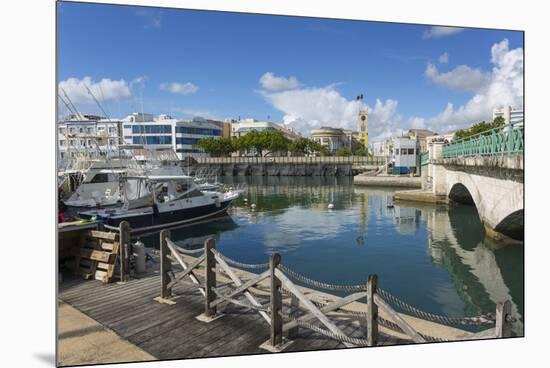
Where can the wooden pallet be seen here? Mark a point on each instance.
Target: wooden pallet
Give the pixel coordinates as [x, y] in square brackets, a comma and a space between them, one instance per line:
[96, 256]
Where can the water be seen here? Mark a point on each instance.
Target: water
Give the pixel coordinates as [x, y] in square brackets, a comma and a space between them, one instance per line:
[433, 257]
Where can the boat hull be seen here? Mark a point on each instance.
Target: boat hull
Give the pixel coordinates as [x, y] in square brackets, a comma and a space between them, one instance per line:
[152, 220]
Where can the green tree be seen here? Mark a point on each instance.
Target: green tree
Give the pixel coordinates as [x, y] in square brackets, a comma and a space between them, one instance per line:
[275, 141]
[360, 151]
[300, 145]
[480, 128]
[343, 152]
[216, 147]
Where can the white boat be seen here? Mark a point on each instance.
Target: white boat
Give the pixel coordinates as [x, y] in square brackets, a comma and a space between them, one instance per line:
[176, 200]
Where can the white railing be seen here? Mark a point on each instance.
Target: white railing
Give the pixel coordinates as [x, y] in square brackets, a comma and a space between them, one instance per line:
[353, 160]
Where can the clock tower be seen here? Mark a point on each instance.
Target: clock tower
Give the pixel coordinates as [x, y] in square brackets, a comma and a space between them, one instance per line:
[363, 126]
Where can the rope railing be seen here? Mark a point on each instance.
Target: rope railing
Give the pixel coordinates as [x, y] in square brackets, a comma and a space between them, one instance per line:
[306, 310]
[319, 284]
[479, 320]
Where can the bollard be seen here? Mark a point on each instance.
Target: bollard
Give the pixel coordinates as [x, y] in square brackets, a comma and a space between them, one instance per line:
[276, 335]
[165, 292]
[372, 311]
[503, 327]
[139, 255]
[209, 277]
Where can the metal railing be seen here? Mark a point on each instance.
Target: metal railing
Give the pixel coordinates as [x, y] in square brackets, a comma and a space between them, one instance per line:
[424, 158]
[353, 160]
[501, 141]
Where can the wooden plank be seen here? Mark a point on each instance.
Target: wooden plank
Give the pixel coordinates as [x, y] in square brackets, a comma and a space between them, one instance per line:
[309, 305]
[503, 328]
[327, 308]
[95, 255]
[182, 263]
[372, 311]
[186, 272]
[243, 287]
[275, 302]
[209, 276]
[107, 245]
[238, 282]
[103, 235]
[411, 332]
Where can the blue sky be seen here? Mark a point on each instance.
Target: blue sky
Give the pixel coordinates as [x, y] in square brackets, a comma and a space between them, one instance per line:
[189, 63]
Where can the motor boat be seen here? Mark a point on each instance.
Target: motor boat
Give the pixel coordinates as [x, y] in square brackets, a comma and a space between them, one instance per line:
[176, 200]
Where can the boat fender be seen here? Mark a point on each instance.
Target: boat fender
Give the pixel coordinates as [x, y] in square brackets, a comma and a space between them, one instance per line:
[218, 203]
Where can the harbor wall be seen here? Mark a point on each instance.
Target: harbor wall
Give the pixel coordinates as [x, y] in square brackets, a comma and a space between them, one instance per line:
[272, 169]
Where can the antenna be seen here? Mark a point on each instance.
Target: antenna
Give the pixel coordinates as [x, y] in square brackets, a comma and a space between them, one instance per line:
[78, 115]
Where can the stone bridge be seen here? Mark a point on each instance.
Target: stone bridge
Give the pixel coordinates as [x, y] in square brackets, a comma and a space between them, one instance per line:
[492, 181]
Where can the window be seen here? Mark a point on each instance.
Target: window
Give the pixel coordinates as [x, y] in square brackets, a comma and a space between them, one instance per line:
[82, 142]
[155, 139]
[62, 143]
[112, 130]
[61, 130]
[100, 178]
[190, 141]
[89, 130]
[89, 142]
[81, 130]
[151, 129]
[397, 151]
[200, 131]
[411, 151]
[71, 142]
[71, 130]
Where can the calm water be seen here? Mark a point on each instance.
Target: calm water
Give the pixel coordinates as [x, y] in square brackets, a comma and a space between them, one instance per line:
[435, 258]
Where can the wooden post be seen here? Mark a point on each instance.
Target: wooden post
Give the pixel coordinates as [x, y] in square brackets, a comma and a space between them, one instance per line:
[294, 305]
[372, 311]
[209, 277]
[503, 327]
[276, 336]
[165, 292]
[124, 239]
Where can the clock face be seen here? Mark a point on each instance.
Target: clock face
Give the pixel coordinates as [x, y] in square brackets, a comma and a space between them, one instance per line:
[363, 117]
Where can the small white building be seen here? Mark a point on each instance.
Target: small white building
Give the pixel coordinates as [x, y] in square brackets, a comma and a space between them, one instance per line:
[242, 127]
[404, 155]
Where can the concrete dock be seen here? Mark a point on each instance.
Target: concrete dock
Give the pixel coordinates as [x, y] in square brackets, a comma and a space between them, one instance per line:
[388, 181]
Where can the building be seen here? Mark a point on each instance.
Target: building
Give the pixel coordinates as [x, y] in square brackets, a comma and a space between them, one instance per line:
[182, 135]
[420, 136]
[333, 138]
[242, 127]
[225, 126]
[87, 134]
[404, 156]
[510, 114]
[382, 148]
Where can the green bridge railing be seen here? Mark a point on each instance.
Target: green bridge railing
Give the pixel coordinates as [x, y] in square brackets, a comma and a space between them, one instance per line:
[501, 141]
[424, 158]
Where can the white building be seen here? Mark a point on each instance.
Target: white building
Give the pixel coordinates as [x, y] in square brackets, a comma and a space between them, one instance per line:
[87, 133]
[509, 113]
[333, 138]
[240, 128]
[182, 135]
[404, 156]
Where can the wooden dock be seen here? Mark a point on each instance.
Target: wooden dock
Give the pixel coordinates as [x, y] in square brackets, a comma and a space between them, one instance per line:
[178, 309]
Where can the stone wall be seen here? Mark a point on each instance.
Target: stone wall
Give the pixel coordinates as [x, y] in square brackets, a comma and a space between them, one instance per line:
[273, 169]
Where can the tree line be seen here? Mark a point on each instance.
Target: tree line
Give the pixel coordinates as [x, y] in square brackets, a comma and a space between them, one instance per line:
[481, 127]
[268, 142]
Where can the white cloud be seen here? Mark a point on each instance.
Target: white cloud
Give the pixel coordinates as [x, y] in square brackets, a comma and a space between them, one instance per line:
[180, 88]
[309, 108]
[270, 82]
[104, 90]
[444, 58]
[439, 31]
[503, 86]
[461, 78]
[153, 19]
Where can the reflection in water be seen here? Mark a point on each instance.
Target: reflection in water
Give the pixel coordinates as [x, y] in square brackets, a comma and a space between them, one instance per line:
[435, 258]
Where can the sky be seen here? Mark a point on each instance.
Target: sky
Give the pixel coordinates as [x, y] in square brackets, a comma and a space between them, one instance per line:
[301, 72]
